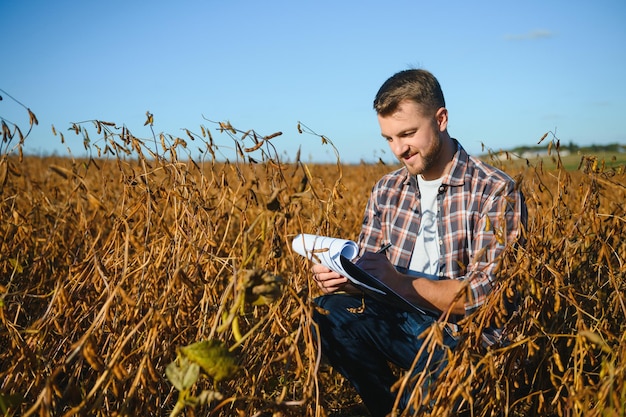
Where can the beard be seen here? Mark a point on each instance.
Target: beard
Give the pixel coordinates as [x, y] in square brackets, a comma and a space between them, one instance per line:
[428, 159]
[432, 155]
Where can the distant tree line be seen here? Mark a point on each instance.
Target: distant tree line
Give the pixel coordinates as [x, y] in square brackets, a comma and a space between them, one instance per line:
[573, 148]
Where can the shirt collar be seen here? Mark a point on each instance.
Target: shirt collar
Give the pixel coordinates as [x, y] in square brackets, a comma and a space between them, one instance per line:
[456, 175]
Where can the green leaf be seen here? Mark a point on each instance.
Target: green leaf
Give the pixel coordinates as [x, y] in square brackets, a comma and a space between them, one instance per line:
[182, 376]
[213, 357]
[191, 375]
[16, 266]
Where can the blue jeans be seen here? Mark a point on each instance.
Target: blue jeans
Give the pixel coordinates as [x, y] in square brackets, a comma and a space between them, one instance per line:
[360, 343]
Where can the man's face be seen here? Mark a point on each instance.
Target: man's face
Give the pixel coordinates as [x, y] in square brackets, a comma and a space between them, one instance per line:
[416, 138]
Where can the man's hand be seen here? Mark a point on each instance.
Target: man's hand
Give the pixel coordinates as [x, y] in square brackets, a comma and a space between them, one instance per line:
[378, 265]
[328, 281]
[436, 295]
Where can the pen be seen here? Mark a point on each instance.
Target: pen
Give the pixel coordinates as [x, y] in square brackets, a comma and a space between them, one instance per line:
[384, 248]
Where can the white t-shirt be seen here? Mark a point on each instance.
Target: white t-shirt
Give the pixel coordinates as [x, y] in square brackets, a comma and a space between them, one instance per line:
[425, 258]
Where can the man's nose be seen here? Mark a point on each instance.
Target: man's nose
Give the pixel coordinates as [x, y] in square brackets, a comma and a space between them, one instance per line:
[399, 147]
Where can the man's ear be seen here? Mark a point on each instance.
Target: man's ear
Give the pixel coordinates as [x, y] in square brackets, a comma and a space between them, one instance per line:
[442, 118]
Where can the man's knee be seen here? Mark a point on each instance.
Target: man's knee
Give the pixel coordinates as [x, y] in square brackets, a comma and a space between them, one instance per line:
[338, 302]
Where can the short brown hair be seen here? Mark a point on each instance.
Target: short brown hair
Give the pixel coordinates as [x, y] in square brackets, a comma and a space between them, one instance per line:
[414, 84]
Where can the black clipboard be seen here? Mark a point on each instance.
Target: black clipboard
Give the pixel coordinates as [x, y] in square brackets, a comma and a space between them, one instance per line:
[386, 294]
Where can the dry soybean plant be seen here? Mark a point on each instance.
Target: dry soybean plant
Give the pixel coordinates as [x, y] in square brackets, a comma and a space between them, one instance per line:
[156, 277]
[120, 268]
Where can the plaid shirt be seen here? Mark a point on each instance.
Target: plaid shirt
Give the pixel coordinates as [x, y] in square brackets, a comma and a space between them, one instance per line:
[480, 211]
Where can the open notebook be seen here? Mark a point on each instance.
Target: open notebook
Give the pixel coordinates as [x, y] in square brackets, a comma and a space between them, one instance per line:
[338, 255]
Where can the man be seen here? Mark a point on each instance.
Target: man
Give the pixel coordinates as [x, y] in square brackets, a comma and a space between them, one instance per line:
[448, 216]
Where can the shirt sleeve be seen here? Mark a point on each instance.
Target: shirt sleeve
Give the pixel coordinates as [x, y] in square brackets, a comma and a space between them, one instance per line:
[371, 235]
[500, 225]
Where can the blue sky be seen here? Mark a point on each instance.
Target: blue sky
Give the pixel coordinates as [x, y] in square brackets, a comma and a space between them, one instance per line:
[511, 70]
